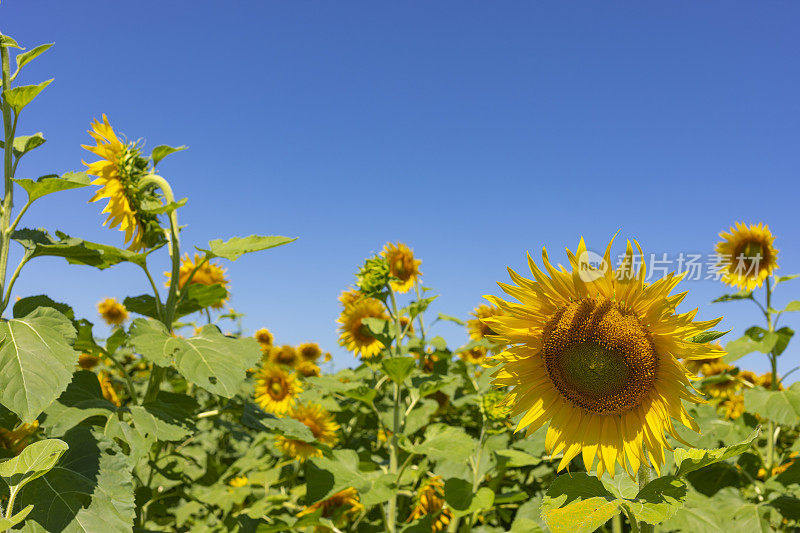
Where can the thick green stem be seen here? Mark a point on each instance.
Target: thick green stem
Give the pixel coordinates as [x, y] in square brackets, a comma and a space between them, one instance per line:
[616, 523]
[773, 360]
[391, 514]
[644, 479]
[9, 125]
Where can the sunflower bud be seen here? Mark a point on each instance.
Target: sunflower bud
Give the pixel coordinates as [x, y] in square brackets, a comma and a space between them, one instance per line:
[374, 276]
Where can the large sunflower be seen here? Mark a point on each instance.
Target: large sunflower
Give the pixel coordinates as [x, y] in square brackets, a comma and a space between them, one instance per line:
[402, 265]
[353, 334]
[276, 390]
[322, 426]
[747, 256]
[207, 273]
[594, 353]
[118, 173]
[430, 501]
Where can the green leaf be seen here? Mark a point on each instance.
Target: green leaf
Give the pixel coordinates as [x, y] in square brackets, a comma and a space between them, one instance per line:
[9, 42]
[792, 306]
[235, 247]
[362, 393]
[782, 407]
[83, 399]
[9, 522]
[25, 306]
[445, 442]
[712, 478]
[25, 143]
[746, 344]
[327, 476]
[689, 460]
[151, 339]
[449, 318]
[781, 279]
[53, 183]
[162, 151]
[76, 251]
[167, 208]
[510, 458]
[742, 295]
[36, 361]
[35, 461]
[215, 362]
[418, 307]
[708, 336]
[26, 57]
[659, 500]
[788, 506]
[90, 490]
[398, 368]
[255, 418]
[20, 96]
[460, 496]
[196, 298]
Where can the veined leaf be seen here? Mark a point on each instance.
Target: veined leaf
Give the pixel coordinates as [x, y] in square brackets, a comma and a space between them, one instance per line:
[25, 306]
[689, 460]
[76, 251]
[25, 143]
[235, 247]
[19, 97]
[161, 151]
[151, 339]
[35, 461]
[53, 183]
[36, 361]
[328, 476]
[708, 336]
[782, 407]
[445, 442]
[83, 399]
[26, 57]
[255, 418]
[398, 368]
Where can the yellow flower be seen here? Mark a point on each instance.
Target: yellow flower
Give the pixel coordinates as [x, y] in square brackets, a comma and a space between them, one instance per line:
[342, 505]
[275, 390]
[350, 296]
[109, 392]
[207, 273]
[354, 335]
[118, 173]
[765, 380]
[264, 338]
[473, 355]
[322, 426]
[238, 481]
[283, 355]
[17, 439]
[112, 312]
[478, 329]
[307, 369]
[733, 406]
[309, 351]
[402, 265]
[87, 361]
[593, 351]
[723, 388]
[746, 255]
[430, 501]
[406, 322]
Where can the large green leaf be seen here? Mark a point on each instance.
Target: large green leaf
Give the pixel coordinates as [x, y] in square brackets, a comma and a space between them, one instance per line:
[782, 407]
[36, 361]
[76, 251]
[445, 442]
[463, 499]
[236, 247]
[215, 362]
[195, 298]
[25, 306]
[689, 460]
[327, 476]
[82, 400]
[582, 503]
[53, 183]
[255, 418]
[151, 339]
[90, 490]
[398, 368]
[26, 57]
[9, 522]
[20, 96]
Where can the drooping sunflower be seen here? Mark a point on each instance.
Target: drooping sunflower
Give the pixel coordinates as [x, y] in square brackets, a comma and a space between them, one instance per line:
[283, 355]
[430, 501]
[342, 506]
[119, 173]
[307, 369]
[112, 312]
[402, 266]
[16, 440]
[309, 351]
[322, 426]
[594, 352]
[746, 255]
[353, 334]
[276, 390]
[207, 273]
[88, 361]
[474, 355]
[264, 338]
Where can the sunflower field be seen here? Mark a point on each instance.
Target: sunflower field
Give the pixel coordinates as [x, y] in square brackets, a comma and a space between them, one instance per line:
[585, 399]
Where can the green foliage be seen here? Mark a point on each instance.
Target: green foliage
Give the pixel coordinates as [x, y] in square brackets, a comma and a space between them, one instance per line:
[235, 247]
[162, 151]
[52, 183]
[19, 97]
[780, 406]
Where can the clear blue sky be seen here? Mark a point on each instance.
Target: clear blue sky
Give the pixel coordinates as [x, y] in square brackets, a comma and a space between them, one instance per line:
[472, 131]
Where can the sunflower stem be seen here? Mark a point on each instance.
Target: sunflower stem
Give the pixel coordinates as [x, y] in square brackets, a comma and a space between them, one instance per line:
[644, 479]
[773, 360]
[616, 523]
[9, 128]
[391, 514]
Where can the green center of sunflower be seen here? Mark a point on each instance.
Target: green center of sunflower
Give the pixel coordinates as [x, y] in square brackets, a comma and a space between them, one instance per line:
[277, 389]
[599, 356]
[400, 268]
[751, 254]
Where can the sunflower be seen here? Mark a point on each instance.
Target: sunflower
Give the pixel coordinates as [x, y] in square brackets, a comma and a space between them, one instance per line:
[765, 380]
[119, 173]
[402, 266]
[309, 351]
[430, 501]
[594, 353]
[275, 390]
[238, 481]
[112, 312]
[264, 338]
[207, 273]
[87, 361]
[283, 355]
[478, 329]
[350, 296]
[322, 426]
[342, 506]
[16, 440]
[107, 386]
[474, 355]
[746, 255]
[307, 369]
[733, 406]
[354, 335]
